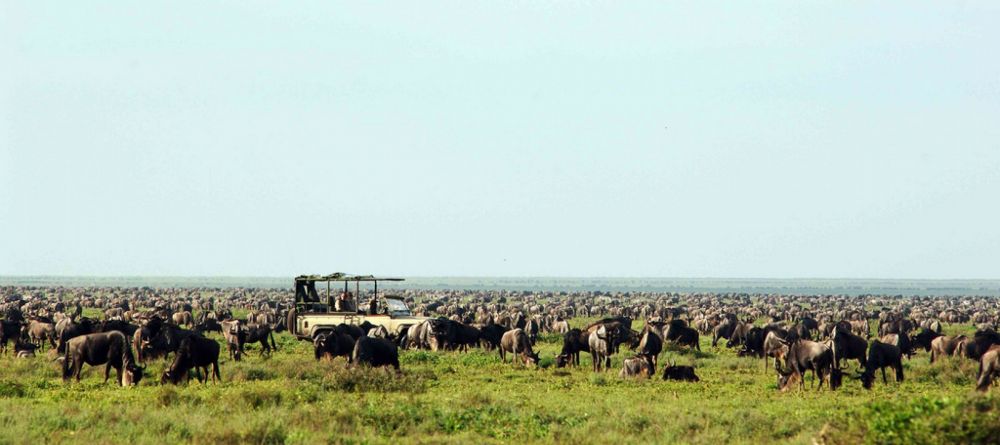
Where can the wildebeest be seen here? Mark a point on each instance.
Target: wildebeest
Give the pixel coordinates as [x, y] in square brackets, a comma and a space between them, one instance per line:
[924, 338]
[375, 352]
[573, 343]
[490, 335]
[650, 345]
[517, 343]
[945, 345]
[332, 344]
[104, 348]
[881, 356]
[10, 331]
[848, 345]
[802, 356]
[599, 344]
[901, 341]
[67, 329]
[259, 333]
[638, 366]
[683, 373]
[232, 332]
[41, 331]
[989, 368]
[194, 352]
[724, 329]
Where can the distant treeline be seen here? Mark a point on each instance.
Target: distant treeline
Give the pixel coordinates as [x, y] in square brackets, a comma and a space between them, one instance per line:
[787, 286]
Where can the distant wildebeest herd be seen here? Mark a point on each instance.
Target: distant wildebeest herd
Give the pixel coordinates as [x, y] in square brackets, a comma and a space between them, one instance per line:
[796, 334]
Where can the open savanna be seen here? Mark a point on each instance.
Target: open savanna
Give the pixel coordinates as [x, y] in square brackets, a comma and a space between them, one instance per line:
[471, 397]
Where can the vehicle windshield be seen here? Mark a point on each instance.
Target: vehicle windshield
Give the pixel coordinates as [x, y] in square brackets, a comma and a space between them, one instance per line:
[396, 307]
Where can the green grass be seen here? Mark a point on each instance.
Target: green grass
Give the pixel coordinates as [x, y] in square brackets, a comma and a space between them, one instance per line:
[473, 398]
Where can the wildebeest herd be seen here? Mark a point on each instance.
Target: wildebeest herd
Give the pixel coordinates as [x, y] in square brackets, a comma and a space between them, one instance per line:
[794, 335]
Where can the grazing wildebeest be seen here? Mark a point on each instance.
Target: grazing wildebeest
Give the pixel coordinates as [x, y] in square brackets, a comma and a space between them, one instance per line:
[194, 352]
[638, 366]
[516, 342]
[802, 356]
[375, 352]
[574, 341]
[848, 345]
[104, 348]
[332, 344]
[773, 344]
[945, 345]
[599, 343]
[682, 373]
[67, 329]
[881, 356]
[989, 368]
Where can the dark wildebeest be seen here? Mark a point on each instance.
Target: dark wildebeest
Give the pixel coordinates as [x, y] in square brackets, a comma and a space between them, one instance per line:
[650, 345]
[105, 348]
[881, 356]
[802, 356]
[465, 336]
[194, 352]
[848, 345]
[517, 343]
[924, 339]
[375, 352]
[10, 331]
[679, 333]
[24, 350]
[490, 335]
[682, 373]
[989, 368]
[332, 344]
[724, 329]
[638, 366]
[574, 342]
[118, 325]
[67, 329]
[260, 333]
[531, 328]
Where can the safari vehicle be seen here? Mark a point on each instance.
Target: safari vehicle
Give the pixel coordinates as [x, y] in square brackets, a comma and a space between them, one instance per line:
[315, 313]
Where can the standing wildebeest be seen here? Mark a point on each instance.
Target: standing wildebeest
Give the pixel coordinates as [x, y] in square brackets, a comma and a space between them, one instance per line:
[600, 345]
[10, 331]
[517, 343]
[232, 331]
[531, 328]
[650, 345]
[724, 329]
[183, 318]
[40, 331]
[901, 341]
[989, 368]
[848, 345]
[924, 339]
[110, 348]
[489, 336]
[802, 356]
[881, 356]
[945, 345]
[375, 352]
[194, 352]
[678, 332]
[259, 333]
[332, 344]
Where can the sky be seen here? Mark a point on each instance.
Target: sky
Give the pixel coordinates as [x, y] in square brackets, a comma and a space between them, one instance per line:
[502, 138]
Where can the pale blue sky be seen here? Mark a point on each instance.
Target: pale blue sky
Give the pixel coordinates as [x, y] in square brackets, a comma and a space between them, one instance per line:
[501, 138]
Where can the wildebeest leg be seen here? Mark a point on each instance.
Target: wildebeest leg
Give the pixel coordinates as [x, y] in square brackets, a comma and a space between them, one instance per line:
[884, 380]
[503, 358]
[215, 372]
[595, 363]
[107, 372]
[607, 362]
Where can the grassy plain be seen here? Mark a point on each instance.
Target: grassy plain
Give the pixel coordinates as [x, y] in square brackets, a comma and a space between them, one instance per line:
[455, 397]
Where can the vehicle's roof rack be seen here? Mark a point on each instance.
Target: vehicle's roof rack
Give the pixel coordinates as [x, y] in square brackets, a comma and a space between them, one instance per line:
[339, 276]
